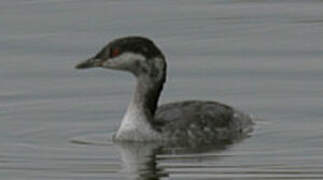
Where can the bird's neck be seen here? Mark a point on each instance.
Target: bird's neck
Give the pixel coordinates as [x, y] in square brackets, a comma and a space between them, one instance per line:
[138, 121]
[146, 95]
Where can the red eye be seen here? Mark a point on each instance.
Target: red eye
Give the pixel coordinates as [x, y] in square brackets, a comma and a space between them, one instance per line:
[115, 52]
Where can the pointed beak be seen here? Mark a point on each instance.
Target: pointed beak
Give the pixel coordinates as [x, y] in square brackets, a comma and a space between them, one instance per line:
[89, 63]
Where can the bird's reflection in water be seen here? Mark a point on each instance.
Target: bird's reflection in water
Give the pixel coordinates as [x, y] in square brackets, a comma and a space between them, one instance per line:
[140, 160]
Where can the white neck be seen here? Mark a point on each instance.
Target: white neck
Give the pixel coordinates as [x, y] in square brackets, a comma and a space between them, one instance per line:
[137, 123]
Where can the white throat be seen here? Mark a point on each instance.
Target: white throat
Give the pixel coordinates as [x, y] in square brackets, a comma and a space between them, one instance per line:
[135, 125]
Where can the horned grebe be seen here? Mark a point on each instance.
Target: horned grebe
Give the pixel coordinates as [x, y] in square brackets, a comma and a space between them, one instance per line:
[194, 120]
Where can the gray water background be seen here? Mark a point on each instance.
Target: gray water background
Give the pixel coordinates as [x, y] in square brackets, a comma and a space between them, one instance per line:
[264, 57]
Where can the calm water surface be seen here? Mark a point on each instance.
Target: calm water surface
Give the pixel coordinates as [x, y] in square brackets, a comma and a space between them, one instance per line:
[264, 57]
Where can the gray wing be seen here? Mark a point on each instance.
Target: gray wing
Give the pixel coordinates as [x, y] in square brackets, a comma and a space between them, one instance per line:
[205, 121]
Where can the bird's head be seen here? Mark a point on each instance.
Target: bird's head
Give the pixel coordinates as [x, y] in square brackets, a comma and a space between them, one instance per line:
[137, 55]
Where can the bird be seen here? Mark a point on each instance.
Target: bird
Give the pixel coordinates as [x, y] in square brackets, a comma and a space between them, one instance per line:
[190, 121]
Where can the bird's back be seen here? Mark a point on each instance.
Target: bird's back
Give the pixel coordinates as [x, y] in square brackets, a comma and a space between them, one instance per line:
[201, 121]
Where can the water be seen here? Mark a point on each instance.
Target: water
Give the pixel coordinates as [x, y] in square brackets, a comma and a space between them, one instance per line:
[264, 57]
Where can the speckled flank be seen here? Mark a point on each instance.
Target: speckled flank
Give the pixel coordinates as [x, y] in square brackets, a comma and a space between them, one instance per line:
[202, 121]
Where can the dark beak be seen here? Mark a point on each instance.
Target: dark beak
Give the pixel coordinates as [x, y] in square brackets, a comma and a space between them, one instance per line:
[89, 63]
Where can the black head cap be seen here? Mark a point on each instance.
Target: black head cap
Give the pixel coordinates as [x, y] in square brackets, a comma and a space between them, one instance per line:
[133, 44]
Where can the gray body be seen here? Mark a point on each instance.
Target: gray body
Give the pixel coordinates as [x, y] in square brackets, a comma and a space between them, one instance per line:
[201, 122]
[193, 121]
